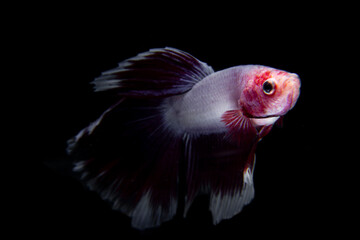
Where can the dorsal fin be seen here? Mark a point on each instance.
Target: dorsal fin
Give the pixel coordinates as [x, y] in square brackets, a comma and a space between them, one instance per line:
[158, 72]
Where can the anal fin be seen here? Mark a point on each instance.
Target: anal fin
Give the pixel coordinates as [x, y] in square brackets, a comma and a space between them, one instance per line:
[221, 168]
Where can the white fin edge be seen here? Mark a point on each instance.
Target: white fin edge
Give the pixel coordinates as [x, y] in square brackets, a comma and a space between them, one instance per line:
[144, 216]
[225, 206]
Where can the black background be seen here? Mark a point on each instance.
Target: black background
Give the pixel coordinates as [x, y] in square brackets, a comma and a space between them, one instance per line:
[296, 179]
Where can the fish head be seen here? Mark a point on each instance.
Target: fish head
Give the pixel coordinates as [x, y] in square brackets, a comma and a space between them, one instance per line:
[268, 93]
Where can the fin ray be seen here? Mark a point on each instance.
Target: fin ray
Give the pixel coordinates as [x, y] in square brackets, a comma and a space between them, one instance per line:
[218, 166]
[158, 72]
[134, 167]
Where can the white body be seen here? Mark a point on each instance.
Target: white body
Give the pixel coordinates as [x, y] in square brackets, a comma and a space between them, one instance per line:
[200, 109]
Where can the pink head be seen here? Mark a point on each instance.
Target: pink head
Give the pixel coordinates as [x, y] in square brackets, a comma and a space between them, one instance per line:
[267, 92]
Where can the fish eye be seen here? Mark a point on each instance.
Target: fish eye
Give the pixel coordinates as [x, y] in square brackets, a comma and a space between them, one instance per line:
[269, 87]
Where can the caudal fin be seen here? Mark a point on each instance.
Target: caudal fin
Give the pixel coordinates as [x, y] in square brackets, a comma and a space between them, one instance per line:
[131, 160]
[128, 155]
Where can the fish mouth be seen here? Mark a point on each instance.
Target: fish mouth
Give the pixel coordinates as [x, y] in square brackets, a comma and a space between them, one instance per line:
[248, 115]
[266, 116]
[262, 117]
[260, 121]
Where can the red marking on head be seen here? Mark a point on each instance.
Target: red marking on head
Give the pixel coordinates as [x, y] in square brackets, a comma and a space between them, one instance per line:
[262, 77]
[254, 102]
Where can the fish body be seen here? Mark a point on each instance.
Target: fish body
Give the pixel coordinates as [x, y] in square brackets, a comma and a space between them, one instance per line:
[175, 110]
[201, 109]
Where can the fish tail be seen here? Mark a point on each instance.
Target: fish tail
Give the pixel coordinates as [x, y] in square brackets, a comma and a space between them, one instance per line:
[129, 155]
[132, 162]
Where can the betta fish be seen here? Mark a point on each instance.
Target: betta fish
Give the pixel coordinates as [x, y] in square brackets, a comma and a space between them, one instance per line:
[176, 130]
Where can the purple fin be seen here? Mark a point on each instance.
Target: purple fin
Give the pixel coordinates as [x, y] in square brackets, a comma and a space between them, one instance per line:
[131, 160]
[240, 128]
[218, 166]
[128, 155]
[158, 72]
